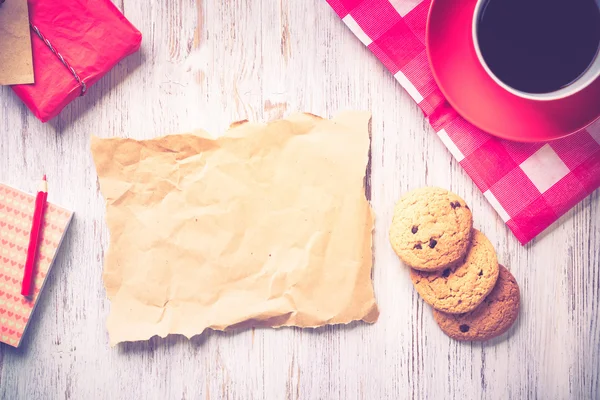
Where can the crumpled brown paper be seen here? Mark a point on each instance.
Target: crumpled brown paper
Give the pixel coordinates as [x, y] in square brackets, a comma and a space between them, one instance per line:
[267, 225]
[16, 65]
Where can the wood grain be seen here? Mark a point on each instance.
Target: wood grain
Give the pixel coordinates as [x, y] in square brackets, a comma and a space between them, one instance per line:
[207, 64]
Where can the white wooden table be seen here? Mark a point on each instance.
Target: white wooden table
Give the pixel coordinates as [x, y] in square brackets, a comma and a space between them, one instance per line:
[205, 64]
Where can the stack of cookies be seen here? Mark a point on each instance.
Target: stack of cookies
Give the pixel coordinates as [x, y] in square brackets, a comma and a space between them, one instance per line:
[453, 266]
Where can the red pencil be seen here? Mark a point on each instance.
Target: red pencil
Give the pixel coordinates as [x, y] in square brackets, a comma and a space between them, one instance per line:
[36, 225]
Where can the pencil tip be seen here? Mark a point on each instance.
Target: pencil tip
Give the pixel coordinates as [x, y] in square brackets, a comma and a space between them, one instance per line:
[44, 176]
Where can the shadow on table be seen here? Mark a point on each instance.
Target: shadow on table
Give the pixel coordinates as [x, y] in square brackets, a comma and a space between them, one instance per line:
[157, 342]
[82, 105]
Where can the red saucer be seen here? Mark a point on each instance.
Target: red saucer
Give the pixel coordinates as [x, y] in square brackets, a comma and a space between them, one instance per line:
[480, 100]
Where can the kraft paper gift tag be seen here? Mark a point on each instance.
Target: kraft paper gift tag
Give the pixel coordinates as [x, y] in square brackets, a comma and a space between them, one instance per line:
[16, 65]
[267, 225]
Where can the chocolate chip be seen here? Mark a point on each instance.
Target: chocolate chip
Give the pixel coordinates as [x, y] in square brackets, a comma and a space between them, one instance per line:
[432, 243]
[467, 207]
[446, 273]
[414, 229]
[418, 246]
[455, 204]
[480, 272]
[464, 328]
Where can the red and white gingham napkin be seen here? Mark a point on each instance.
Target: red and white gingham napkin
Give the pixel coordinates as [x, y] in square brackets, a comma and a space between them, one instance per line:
[529, 184]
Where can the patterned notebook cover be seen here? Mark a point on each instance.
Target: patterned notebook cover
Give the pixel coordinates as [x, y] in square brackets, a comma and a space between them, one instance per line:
[16, 213]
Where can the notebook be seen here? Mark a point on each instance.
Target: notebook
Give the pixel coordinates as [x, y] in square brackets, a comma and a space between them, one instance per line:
[16, 213]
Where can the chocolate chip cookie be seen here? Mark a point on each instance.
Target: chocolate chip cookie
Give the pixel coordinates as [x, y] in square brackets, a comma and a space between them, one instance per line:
[461, 288]
[491, 318]
[431, 228]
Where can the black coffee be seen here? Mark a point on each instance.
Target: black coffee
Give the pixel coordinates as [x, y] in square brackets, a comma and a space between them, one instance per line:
[539, 46]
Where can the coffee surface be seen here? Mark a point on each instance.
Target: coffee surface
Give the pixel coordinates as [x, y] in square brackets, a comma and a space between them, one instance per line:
[539, 46]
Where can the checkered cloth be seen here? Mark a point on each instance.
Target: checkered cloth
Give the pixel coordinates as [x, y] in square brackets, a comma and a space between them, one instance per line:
[529, 184]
